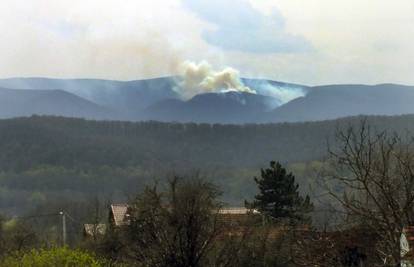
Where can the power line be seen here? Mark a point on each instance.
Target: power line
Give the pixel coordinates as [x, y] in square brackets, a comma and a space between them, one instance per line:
[63, 214]
[36, 216]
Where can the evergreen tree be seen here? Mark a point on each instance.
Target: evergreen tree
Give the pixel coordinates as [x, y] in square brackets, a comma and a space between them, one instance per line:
[279, 197]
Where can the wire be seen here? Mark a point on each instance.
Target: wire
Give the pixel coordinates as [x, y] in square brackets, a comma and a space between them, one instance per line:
[72, 219]
[36, 216]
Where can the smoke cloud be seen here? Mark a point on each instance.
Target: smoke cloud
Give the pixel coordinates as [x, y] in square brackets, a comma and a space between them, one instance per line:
[202, 78]
[283, 94]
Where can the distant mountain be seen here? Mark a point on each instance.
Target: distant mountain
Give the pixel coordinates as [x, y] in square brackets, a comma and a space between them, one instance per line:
[258, 84]
[129, 95]
[157, 99]
[129, 98]
[335, 101]
[226, 107]
[18, 103]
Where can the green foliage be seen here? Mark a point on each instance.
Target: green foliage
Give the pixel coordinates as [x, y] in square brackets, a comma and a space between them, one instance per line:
[2, 241]
[16, 235]
[63, 158]
[55, 257]
[79, 144]
[279, 196]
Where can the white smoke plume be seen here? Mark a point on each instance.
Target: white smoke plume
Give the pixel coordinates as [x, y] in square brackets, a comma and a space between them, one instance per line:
[202, 78]
[283, 94]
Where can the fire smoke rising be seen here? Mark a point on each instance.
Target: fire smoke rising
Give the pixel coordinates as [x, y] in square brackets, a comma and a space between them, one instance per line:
[202, 78]
[282, 94]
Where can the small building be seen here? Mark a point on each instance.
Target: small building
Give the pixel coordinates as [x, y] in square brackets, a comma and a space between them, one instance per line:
[118, 215]
[241, 211]
[94, 230]
[235, 215]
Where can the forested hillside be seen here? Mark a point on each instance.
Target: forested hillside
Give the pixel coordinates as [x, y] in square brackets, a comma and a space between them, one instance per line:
[42, 157]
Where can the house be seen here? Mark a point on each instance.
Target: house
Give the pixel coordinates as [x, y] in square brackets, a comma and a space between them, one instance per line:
[236, 216]
[237, 211]
[94, 230]
[118, 215]
[348, 247]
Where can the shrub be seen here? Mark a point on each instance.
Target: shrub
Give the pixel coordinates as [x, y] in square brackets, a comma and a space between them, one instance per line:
[55, 257]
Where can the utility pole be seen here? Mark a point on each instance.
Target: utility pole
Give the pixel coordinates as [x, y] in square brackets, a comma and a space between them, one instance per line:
[63, 227]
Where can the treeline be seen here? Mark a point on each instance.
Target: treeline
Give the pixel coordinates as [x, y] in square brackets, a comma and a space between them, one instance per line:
[78, 143]
[44, 158]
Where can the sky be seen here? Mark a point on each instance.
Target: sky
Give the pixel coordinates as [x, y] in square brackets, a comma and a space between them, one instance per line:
[301, 41]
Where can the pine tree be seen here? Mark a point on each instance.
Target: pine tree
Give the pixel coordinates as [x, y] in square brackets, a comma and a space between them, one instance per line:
[279, 197]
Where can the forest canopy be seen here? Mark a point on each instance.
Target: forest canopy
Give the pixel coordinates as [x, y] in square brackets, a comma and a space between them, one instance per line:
[45, 157]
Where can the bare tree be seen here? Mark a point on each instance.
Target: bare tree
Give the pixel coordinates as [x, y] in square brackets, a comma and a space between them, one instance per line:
[371, 175]
[17, 236]
[176, 227]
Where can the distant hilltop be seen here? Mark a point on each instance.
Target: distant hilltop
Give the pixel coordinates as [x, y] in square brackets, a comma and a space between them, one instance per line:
[160, 99]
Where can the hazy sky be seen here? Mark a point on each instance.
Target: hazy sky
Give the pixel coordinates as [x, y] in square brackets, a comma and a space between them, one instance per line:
[302, 41]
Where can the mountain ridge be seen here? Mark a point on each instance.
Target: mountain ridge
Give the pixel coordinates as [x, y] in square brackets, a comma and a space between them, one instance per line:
[226, 107]
[336, 101]
[21, 102]
[158, 99]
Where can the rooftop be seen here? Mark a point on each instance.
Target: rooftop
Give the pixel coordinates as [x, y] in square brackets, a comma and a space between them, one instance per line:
[119, 212]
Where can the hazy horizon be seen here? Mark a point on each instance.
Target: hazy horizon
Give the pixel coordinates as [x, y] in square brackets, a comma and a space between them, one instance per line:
[312, 43]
